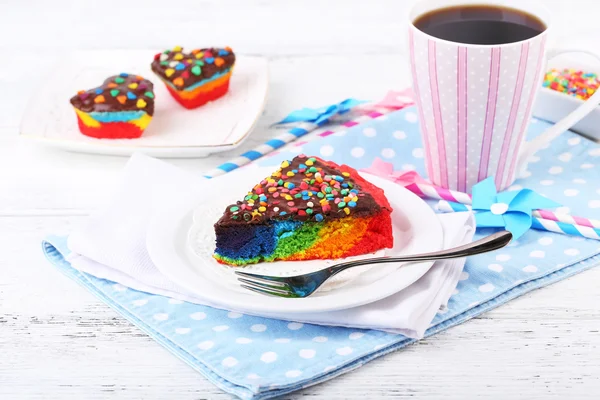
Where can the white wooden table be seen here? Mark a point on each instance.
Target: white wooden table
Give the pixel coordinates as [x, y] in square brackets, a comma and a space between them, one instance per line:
[58, 342]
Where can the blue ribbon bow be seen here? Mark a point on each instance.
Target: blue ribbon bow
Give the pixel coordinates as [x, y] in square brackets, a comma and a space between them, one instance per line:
[320, 115]
[509, 210]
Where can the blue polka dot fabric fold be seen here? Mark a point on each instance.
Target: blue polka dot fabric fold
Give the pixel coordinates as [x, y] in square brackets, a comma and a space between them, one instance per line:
[260, 358]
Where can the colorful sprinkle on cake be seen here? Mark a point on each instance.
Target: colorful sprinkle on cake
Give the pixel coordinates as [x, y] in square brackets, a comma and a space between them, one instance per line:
[121, 108]
[307, 209]
[196, 77]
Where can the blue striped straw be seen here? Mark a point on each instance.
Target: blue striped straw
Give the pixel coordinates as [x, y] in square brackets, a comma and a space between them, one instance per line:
[251, 155]
[536, 222]
[566, 228]
[446, 206]
[307, 120]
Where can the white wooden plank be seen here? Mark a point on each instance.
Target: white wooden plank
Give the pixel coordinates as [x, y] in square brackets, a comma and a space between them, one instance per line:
[272, 27]
[96, 356]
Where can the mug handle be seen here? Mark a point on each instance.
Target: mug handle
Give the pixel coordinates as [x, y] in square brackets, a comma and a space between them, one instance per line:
[531, 147]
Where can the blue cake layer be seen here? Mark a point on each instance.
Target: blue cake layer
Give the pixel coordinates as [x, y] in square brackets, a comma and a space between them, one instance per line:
[250, 241]
[116, 116]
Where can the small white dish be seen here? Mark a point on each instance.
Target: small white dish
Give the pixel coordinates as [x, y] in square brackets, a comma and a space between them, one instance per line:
[553, 106]
[181, 240]
[173, 132]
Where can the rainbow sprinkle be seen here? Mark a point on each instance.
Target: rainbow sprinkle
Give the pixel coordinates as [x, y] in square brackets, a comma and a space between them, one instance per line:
[311, 195]
[573, 82]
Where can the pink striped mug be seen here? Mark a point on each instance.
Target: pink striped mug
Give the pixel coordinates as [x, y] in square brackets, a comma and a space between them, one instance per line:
[475, 101]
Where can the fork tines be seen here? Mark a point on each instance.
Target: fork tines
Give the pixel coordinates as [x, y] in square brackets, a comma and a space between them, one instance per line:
[264, 285]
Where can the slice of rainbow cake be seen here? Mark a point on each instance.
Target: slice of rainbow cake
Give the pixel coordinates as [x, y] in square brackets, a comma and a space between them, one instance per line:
[307, 209]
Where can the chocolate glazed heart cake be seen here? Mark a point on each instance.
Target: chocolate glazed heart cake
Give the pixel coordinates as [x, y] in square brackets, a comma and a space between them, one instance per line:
[120, 108]
[196, 77]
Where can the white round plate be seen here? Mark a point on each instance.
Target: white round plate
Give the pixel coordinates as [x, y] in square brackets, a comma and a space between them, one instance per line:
[174, 131]
[181, 240]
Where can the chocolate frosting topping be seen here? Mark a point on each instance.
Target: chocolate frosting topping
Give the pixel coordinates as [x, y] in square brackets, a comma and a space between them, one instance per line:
[184, 69]
[123, 92]
[301, 190]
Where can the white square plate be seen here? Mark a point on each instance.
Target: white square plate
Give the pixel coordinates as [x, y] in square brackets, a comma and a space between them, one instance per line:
[173, 132]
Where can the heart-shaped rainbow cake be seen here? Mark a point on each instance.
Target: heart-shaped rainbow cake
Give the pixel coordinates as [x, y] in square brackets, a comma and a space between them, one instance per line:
[307, 209]
[194, 78]
[121, 108]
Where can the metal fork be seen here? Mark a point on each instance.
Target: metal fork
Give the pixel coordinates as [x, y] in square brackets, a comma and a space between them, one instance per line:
[305, 285]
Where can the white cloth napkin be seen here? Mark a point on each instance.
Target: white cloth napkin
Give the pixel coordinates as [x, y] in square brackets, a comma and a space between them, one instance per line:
[112, 245]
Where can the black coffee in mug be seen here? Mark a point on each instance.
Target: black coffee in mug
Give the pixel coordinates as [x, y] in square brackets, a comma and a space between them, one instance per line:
[480, 24]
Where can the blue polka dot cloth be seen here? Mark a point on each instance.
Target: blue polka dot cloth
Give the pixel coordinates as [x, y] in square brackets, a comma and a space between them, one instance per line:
[259, 358]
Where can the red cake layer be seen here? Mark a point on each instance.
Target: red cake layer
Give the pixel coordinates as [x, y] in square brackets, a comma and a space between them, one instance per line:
[366, 186]
[378, 236]
[111, 130]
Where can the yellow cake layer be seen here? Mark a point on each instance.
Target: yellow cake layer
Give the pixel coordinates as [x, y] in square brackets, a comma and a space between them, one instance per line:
[336, 238]
[90, 122]
[207, 87]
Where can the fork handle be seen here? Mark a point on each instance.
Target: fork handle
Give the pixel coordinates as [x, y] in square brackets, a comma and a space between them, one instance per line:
[489, 243]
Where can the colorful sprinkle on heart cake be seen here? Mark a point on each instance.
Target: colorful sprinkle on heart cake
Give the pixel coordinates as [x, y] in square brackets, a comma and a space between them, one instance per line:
[307, 209]
[121, 108]
[194, 78]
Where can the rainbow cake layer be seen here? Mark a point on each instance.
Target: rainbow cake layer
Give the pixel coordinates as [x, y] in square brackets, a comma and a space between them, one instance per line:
[194, 78]
[307, 209]
[113, 125]
[121, 108]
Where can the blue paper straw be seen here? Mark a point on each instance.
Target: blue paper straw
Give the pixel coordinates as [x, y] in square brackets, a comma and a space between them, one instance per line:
[302, 117]
[445, 206]
[563, 227]
[536, 223]
[251, 155]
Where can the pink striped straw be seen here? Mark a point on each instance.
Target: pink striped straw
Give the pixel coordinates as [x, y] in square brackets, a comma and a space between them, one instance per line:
[566, 218]
[431, 191]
